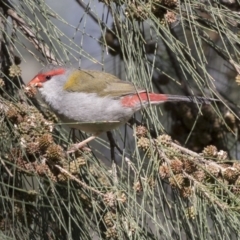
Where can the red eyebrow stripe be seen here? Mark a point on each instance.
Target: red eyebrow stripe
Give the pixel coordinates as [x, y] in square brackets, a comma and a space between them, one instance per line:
[54, 72]
[41, 77]
[133, 100]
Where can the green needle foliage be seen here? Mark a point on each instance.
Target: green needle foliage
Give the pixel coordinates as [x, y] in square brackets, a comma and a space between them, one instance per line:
[174, 174]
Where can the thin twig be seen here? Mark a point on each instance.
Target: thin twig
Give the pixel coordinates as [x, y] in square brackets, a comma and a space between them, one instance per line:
[93, 15]
[236, 66]
[162, 155]
[114, 172]
[189, 152]
[130, 164]
[6, 168]
[84, 185]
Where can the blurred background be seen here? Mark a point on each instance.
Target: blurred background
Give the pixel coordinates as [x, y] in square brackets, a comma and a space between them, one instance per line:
[177, 171]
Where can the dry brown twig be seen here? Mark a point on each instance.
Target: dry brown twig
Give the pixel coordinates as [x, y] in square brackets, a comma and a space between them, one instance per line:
[110, 197]
[197, 156]
[84, 185]
[40, 46]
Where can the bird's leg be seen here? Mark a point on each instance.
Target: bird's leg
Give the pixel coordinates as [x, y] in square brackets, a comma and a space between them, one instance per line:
[113, 143]
[77, 146]
[114, 163]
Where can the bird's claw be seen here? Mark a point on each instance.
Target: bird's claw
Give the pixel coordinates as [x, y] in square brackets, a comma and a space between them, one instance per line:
[75, 148]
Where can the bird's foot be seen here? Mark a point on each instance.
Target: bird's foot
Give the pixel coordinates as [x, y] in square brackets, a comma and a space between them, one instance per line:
[81, 145]
[78, 146]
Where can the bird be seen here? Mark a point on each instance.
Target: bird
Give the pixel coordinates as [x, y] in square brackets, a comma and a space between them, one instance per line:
[95, 101]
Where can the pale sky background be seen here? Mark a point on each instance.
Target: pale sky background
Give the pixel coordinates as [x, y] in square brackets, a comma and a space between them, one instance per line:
[72, 13]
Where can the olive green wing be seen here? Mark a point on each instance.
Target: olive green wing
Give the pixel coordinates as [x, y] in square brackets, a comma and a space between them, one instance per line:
[104, 84]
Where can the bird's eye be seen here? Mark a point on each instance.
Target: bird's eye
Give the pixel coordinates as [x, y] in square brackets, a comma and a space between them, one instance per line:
[48, 77]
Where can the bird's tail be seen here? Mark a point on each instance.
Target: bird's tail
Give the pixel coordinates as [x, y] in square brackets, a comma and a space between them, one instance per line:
[155, 98]
[193, 99]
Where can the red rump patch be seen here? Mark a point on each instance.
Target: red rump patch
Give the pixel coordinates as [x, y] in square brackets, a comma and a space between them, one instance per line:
[136, 99]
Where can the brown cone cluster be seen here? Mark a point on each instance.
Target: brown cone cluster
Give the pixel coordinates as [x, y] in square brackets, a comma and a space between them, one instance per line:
[187, 171]
[142, 10]
[35, 153]
[15, 71]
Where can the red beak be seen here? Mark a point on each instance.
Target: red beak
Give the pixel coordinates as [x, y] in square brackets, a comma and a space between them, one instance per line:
[35, 82]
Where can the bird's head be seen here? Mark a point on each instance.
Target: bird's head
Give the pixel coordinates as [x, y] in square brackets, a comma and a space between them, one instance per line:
[46, 74]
